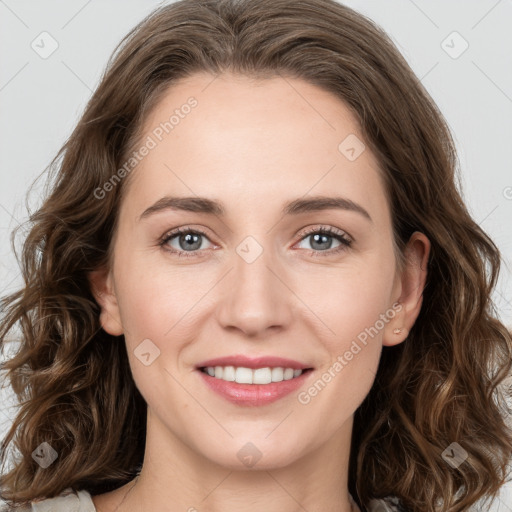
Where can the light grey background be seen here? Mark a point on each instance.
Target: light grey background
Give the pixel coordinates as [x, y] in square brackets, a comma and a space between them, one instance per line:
[41, 99]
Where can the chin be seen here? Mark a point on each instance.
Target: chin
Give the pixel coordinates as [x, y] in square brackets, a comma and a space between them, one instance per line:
[254, 456]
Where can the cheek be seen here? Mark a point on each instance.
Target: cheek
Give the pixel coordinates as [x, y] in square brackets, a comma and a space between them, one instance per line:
[159, 303]
[360, 306]
[355, 305]
[151, 311]
[353, 311]
[152, 294]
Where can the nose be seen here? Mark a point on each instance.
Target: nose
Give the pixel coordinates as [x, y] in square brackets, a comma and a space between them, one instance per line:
[255, 296]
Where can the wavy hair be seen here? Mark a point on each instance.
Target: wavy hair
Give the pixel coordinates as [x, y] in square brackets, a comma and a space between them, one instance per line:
[442, 385]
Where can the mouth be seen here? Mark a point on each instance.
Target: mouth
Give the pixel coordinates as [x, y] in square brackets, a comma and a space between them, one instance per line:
[253, 376]
[253, 382]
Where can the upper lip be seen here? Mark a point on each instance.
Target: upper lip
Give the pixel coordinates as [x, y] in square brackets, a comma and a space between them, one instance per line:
[254, 362]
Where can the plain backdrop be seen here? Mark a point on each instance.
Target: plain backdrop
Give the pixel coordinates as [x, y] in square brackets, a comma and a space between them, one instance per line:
[460, 50]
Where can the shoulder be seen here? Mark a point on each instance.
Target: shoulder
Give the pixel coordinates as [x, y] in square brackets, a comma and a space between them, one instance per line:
[67, 501]
[389, 504]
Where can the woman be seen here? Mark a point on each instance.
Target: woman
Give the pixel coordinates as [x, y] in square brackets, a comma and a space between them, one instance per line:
[188, 344]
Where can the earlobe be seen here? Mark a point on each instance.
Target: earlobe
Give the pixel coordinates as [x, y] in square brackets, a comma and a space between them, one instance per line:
[101, 282]
[412, 281]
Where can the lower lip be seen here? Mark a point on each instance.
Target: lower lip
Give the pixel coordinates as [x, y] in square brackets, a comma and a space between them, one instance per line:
[254, 394]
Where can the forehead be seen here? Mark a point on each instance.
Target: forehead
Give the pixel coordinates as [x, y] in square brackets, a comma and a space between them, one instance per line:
[252, 141]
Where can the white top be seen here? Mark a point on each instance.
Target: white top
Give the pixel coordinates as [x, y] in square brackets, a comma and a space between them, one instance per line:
[67, 501]
[81, 501]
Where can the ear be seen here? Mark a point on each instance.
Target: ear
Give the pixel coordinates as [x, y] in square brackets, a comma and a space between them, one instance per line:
[102, 287]
[411, 284]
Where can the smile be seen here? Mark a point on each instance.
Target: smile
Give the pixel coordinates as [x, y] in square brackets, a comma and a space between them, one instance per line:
[253, 386]
[243, 375]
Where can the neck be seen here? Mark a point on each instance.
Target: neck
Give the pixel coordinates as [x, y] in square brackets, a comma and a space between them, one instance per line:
[173, 473]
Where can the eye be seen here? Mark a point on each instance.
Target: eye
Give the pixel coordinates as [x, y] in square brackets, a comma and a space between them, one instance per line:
[319, 238]
[190, 239]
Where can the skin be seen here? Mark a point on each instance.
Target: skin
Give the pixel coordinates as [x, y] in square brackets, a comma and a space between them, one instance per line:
[253, 145]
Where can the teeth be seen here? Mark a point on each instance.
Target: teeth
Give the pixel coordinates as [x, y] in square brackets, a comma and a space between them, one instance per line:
[243, 375]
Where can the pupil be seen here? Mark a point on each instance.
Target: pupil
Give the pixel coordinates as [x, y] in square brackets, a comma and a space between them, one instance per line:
[321, 237]
[189, 239]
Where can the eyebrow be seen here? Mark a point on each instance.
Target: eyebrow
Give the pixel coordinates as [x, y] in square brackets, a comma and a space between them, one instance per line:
[295, 207]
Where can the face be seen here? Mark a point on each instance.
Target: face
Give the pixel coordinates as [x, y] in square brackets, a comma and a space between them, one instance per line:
[270, 276]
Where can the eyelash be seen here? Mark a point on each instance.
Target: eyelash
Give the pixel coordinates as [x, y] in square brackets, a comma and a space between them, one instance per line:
[345, 242]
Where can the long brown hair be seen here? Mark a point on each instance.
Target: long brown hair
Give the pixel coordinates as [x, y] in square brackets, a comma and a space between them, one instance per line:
[439, 387]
